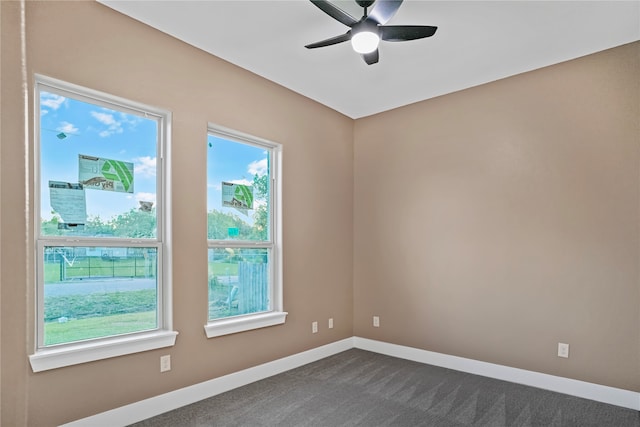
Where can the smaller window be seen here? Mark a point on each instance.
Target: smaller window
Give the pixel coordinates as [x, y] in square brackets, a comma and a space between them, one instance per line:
[243, 233]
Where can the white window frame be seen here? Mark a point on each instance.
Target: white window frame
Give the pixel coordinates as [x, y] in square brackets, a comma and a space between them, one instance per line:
[275, 315]
[60, 355]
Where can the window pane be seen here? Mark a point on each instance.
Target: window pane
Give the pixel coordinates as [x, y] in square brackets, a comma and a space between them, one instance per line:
[237, 191]
[97, 170]
[238, 281]
[94, 292]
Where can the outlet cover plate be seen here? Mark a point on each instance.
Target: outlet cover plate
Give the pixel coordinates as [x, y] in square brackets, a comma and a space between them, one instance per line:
[563, 350]
[165, 363]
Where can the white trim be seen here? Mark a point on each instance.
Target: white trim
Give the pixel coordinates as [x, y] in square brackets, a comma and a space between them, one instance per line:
[614, 396]
[277, 290]
[100, 98]
[237, 136]
[276, 314]
[47, 357]
[147, 408]
[232, 325]
[58, 357]
[157, 405]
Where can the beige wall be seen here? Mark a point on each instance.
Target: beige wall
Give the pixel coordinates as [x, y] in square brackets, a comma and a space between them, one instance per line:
[516, 228]
[495, 222]
[91, 45]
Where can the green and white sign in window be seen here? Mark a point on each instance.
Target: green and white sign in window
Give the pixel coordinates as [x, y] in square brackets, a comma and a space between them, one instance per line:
[105, 174]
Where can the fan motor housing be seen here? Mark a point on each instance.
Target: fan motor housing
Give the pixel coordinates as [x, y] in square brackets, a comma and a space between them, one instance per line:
[365, 3]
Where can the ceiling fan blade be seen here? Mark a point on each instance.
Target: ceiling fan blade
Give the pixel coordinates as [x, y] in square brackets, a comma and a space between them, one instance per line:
[399, 33]
[371, 58]
[383, 10]
[333, 40]
[335, 12]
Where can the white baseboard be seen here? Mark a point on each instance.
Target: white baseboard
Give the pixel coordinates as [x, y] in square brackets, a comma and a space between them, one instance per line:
[614, 396]
[157, 405]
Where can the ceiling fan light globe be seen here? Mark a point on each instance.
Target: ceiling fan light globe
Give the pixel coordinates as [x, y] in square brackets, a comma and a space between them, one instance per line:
[365, 42]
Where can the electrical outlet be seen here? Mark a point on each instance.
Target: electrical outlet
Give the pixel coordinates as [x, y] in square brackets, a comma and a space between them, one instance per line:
[165, 363]
[376, 321]
[331, 323]
[314, 328]
[563, 350]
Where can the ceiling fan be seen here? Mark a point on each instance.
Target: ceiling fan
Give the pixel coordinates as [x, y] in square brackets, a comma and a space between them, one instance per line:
[365, 33]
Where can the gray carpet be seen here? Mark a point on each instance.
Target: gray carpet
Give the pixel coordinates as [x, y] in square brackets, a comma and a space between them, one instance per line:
[360, 388]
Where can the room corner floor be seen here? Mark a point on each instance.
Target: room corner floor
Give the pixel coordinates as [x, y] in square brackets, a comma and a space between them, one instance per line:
[361, 388]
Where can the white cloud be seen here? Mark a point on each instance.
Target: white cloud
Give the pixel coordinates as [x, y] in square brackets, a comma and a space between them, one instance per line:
[145, 166]
[258, 167]
[67, 127]
[129, 119]
[104, 118]
[113, 125]
[51, 100]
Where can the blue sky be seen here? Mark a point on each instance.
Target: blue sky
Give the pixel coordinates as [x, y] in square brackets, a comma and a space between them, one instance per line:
[93, 130]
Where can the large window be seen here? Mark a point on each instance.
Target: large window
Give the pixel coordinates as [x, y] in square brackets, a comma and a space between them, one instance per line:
[103, 282]
[243, 233]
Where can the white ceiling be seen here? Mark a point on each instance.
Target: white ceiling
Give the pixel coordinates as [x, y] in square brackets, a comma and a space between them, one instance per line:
[476, 42]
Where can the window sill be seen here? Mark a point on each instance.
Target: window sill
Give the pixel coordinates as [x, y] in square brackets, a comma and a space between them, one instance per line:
[234, 325]
[74, 354]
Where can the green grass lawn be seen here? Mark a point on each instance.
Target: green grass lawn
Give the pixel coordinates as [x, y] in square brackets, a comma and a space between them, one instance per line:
[98, 304]
[223, 269]
[97, 327]
[72, 318]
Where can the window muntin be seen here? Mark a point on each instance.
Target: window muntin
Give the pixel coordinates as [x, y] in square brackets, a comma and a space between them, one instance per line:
[100, 230]
[244, 255]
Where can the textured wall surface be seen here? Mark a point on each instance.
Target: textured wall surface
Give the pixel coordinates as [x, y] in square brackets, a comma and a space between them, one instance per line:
[91, 45]
[495, 222]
